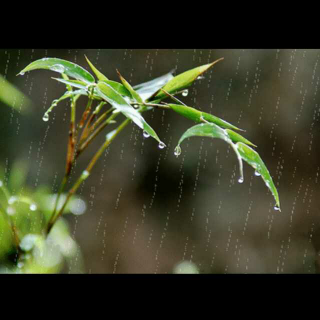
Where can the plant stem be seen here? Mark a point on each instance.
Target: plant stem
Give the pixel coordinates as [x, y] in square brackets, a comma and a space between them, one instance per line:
[87, 172]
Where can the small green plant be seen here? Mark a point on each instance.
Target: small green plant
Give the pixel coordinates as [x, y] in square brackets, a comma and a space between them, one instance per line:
[108, 99]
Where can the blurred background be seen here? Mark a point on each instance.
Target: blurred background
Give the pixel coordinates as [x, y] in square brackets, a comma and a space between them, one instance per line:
[150, 212]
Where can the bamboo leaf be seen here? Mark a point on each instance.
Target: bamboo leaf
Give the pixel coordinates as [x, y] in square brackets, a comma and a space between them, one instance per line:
[198, 116]
[127, 85]
[98, 74]
[252, 157]
[107, 93]
[213, 131]
[236, 137]
[183, 80]
[117, 86]
[147, 89]
[61, 66]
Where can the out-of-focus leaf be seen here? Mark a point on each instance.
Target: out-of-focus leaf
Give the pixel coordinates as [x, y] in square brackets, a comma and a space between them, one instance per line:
[61, 66]
[99, 75]
[18, 175]
[198, 116]
[107, 93]
[252, 157]
[213, 131]
[11, 96]
[183, 80]
[148, 89]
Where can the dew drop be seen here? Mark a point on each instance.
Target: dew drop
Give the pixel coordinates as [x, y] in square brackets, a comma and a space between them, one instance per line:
[11, 211]
[21, 73]
[257, 174]
[146, 134]
[241, 180]
[161, 145]
[12, 200]
[185, 92]
[85, 174]
[276, 208]
[58, 68]
[45, 118]
[33, 207]
[177, 151]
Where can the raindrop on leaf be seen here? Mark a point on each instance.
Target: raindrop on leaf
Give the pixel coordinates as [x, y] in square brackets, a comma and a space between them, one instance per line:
[177, 151]
[45, 118]
[33, 207]
[146, 134]
[276, 208]
[161, 145]
[257, 174]
[185, 92]
[241, 180]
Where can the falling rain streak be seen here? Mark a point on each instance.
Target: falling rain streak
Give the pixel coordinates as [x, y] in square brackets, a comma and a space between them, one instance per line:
[150, 207]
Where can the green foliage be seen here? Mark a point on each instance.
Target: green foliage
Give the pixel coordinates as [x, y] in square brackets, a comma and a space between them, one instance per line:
[44, 230]
[23, 216]
[11, 96]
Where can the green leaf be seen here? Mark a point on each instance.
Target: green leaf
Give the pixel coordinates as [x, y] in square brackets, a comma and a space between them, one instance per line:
[98, 74]
[252, 157]
[117, 86]
[236, 137]
[107, 93]
[11, 96]
[213, 131]
[183, 80]
[198, 116]
[127, 85]
[148, 89]
[60, 66]
[74, 83]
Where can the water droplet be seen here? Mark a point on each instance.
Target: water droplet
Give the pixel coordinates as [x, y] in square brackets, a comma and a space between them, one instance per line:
[257, 174]
[85, 174]
[161, 145]
[200, 78]
[241, 180]
[33, 207]
[276, 208]
[20, 265]
[177, 151]
[12, 200]
[21, 73]
[146, 134]
[45, 118]
[185, 92]
[58, 68]
[11, 211]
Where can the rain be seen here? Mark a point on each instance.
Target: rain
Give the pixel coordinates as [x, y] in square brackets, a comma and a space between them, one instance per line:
[148, 207]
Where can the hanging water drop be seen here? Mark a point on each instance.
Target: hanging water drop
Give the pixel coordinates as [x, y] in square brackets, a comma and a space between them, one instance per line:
[45, 118]
[161, 145]
[185, 92]
[146, 134]
[276, 208]
[257, 174]
[33, 207]
[241, 180]
[177, 151]
[21, 73]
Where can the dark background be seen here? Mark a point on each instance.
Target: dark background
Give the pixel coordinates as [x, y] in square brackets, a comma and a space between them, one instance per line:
[147, 209]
